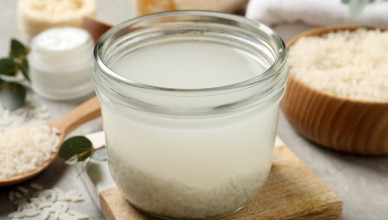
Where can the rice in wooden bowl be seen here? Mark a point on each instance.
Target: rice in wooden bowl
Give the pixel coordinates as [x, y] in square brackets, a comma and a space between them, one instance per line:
[337, 93]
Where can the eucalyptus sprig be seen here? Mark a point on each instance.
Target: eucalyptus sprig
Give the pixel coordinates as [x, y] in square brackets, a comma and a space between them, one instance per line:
[80, 148]
[12, 91]
[356, 6]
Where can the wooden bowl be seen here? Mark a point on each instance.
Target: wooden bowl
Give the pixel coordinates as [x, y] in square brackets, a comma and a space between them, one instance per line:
[343, 124]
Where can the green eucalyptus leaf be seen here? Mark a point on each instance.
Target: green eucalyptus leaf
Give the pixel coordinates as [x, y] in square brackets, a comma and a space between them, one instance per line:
[18, 50]
[8, 67]
[356, 7]
[12, 95]
[72, 160]
[24, 67]
[78, 146]
[100, 154]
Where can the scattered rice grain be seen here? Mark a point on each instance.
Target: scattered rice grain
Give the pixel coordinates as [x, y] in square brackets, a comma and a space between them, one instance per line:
[77, 199]
[53, 196]
[18, 195]
[46, 215]
[56, 214]
[20, 201]
[36, 186]
[16, 215]
[11, 196]
[22, 189]
[43, 204]
[30, 212]
[81, 216]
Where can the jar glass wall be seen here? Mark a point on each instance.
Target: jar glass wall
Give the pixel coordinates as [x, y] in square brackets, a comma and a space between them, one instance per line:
[190, 105]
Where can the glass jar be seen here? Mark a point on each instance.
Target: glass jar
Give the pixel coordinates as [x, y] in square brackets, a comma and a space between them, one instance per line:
[190, 104]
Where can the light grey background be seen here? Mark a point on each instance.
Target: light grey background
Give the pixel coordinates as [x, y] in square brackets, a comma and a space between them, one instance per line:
[361, 182]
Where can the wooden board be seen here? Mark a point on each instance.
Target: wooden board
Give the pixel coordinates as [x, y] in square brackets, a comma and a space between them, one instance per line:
[292, 191]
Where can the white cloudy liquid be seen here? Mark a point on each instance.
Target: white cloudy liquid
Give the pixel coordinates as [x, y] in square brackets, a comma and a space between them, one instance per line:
[188, 65]
[186, 167]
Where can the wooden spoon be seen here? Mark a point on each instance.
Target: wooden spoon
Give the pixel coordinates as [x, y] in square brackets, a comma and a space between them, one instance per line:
[85, 112]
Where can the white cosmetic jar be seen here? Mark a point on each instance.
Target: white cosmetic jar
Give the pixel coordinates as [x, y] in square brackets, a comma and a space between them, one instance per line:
[177, 149]
[61, 63]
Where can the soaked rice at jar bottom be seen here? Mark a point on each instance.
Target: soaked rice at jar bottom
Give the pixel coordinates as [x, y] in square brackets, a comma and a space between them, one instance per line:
[171, 198]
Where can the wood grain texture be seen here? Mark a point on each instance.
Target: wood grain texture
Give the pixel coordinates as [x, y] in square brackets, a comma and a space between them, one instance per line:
[85, 112]
[292, 191]
[352, 126]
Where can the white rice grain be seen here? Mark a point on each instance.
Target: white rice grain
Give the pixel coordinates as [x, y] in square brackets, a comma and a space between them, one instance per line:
[77, 199]
[63, 198]
[22, 189]
[30, 212]
[24, 148]
[46, 215]
[16, 214]
[46, 201]
[18, 195]
[81, 216]
[348, 64]
[56, 214]
[36, 186]
[36, 201]
[20, 201]
[45, 205]
[11, 196]
[53, 196]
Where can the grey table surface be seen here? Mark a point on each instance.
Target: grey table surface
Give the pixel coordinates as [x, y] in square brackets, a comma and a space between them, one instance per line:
[360, 181]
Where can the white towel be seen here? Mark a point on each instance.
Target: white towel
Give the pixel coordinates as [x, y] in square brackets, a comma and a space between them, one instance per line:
[316, 12]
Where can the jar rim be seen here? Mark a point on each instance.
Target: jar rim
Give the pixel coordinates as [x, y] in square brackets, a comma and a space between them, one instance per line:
[276, 66]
